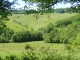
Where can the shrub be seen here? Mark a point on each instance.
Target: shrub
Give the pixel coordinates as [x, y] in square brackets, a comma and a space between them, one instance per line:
[1, 58]
[68, 47]
[49, 28]
[47, 38]
[63, 23]
[77, 41]
[11, 57]
[26, 36]
[28, 47]
[64, 31]
[6, 35]
[1, 28]
[51, 37]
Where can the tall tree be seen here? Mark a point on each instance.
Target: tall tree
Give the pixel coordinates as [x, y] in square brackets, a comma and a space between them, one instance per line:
[48, 4]
[5, 7]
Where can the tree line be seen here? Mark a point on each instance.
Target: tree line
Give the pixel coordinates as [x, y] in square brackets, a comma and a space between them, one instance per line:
[32, 11]
[23, 11]
[64, 31]
[7, 35]
[6, 6]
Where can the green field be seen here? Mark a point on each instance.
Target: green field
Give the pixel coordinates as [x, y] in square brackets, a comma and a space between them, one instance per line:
[42, 50]
[38, 50]
[18, 48]
[35, 44]
[20, 22]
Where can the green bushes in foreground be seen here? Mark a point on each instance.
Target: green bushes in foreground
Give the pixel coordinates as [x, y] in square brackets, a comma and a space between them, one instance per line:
[43, 54]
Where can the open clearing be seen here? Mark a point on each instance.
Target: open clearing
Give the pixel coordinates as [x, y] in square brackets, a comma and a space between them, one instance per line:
[35, 44]
[22, 22]
[18, 48]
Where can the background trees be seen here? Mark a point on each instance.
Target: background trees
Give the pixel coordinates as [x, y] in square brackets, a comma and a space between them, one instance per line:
[45, 5]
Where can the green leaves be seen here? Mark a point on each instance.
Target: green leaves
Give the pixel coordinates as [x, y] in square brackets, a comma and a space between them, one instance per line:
[5, 7]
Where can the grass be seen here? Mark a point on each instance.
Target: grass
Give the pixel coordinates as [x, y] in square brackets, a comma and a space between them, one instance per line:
[28, 22]
[35, 44]
[7, 49]
[58, 50]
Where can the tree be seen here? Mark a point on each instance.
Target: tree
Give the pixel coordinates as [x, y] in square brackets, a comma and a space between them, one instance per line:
[45, 5]
[5, 7]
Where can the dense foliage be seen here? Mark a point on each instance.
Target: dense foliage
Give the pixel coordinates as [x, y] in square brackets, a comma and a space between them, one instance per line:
[63, 10]
[42, 54]
[22, 11]
[64, 31]
[45, 5]
[6, 35]
[5, 7]
[26, 36]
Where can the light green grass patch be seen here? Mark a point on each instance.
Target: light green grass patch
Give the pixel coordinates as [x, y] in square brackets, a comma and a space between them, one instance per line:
[35, 44]
[31, 23]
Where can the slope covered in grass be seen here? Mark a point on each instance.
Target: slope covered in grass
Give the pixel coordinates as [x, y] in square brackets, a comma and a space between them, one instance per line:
[20, 22]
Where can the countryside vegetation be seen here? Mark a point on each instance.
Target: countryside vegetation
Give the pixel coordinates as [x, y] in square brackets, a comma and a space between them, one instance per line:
[43, 34]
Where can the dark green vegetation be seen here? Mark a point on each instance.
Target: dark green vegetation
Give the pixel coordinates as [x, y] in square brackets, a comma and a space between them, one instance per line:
[9, 36]
[64, 31]
[49, 32]
[26, 36]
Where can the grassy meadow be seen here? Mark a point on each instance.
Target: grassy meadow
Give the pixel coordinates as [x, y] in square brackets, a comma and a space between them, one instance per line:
[35, 44]
[22, 22]
[37, 50]
[40, 51]
[18, 48]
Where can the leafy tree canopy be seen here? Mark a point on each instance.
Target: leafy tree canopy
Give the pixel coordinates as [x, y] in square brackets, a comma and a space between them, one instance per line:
[5, 5]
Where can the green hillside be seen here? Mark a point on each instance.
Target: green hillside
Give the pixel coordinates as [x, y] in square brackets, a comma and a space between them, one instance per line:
[20, 22]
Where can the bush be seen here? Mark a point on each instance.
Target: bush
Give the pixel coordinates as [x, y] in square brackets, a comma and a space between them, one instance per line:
[64, 31]
[63, 23]
[68, 47]
[77, 41]
[26, 36]
[12, 57]
[49, 28]
[1, 28]
[28, 47]
[6, 35]
[47, 38]
[51, 37]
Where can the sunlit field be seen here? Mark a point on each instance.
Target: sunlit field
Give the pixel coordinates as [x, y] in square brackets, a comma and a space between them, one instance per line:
[40, 50]
[22, 22]
[35, 44]
[37, 50]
